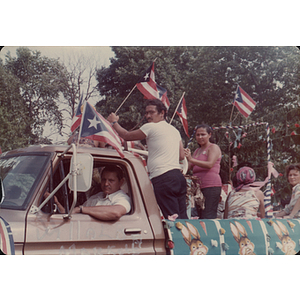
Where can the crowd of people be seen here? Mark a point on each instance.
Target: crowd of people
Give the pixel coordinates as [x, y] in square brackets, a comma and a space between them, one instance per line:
[165, 151]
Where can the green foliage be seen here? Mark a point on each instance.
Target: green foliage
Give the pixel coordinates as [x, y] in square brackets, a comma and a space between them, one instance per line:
[40, 81]
[13, 113]
[209, 77]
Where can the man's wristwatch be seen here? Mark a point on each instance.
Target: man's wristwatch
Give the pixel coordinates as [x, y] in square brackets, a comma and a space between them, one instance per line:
[80, 209]
[113, 123]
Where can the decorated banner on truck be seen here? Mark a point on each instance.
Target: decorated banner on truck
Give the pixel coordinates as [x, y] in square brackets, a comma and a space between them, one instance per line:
[235, 237]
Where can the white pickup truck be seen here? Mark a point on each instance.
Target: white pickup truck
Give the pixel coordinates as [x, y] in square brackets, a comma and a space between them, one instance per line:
[31, 224]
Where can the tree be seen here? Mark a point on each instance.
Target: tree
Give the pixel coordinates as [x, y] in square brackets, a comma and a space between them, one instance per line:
[209, 77]
[80, 82]
[41, 80]
[12, 133]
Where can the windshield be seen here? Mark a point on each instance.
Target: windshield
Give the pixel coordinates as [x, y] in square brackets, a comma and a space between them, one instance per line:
[20, 175]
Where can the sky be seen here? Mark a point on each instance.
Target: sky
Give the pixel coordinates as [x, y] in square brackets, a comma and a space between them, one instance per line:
[101, 54]
[98, 55]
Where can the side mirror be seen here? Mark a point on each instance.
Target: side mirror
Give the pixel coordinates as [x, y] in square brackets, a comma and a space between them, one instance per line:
[84, 169]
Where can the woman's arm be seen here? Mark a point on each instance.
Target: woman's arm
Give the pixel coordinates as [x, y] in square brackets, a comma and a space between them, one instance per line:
[295, 209]
[188, 155]
[260, 196]
[214, 153]
[280, 214]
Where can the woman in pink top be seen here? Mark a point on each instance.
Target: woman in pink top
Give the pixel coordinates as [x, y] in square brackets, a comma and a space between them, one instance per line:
[205, 163]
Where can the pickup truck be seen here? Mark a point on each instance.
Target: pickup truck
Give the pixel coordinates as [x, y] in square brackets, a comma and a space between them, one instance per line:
[32, 224]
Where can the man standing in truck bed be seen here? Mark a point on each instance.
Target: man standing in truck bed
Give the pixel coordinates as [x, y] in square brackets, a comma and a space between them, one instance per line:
[165, 149]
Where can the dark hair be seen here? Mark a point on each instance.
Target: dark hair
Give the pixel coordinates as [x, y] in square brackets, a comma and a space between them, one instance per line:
[159, 106]
[115, 169]
[206, 127]
[292, 167]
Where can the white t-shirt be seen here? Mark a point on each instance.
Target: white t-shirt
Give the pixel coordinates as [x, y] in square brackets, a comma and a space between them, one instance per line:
[117, 198]
[163, 147]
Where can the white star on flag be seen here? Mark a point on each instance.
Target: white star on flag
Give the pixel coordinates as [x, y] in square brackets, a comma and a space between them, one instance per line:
[102, 133]
[147, 84]
[94, 122]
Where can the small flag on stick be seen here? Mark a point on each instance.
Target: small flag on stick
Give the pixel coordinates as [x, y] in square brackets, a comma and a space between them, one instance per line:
[162, 95]
[182, 113]
[147, 84]
[95, 127]
[150, 89]
[77, 117]
[243, 102]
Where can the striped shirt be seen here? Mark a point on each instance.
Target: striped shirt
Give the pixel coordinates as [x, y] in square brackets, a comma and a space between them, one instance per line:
[243, 205]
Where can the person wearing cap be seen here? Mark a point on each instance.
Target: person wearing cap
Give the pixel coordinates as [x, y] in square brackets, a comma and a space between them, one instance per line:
[292, 210]
[246, 200]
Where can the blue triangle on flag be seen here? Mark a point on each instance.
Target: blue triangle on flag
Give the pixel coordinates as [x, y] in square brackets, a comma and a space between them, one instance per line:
[92, 124]
[238, 96]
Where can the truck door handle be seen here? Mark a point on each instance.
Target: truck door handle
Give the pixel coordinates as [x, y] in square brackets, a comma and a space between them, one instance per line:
[132, 230]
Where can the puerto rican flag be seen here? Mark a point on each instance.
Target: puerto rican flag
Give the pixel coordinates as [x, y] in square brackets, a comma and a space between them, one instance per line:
[243, 102]
[95, 127]
[162, 95]
[182, 113]
[147, 84]
[77, 117]
[150, 89]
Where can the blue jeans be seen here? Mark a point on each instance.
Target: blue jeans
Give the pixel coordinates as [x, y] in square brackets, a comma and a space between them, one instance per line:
[170, 193]
[212, 198]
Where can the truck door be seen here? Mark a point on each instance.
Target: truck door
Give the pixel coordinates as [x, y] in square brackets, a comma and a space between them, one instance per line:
[82, 234]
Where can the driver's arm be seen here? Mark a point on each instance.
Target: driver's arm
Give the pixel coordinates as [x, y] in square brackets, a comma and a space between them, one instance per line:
[103, 212]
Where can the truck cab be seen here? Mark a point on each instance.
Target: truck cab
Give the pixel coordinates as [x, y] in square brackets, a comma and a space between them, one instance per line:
[38, 227]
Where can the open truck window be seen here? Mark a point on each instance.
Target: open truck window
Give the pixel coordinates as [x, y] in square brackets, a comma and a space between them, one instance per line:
[65, 196]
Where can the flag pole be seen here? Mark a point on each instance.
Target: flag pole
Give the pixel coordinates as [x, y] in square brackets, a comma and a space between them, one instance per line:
[82, 119]
[235, 117]
[125, 99]
[229, 158]
[176, 108]
[129, 94]
[231, 113]
[233, 106]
